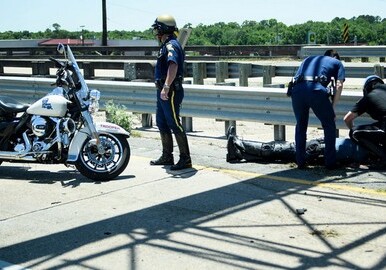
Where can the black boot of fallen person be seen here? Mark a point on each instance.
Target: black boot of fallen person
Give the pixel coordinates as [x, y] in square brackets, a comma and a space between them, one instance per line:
[233, 152]
[231, 131]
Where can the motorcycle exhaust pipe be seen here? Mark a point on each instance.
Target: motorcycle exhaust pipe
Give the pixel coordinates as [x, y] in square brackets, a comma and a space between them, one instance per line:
[23, 155]
[8, 155]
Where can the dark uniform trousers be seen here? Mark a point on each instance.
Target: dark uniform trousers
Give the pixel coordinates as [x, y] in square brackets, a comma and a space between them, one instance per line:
[168, 111]
[321, 105]
[372, 137]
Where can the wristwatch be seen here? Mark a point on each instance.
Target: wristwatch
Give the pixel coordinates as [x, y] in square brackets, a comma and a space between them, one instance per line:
[166, 86]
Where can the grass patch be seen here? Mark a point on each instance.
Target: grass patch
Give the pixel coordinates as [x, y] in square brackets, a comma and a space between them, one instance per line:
[118, 114]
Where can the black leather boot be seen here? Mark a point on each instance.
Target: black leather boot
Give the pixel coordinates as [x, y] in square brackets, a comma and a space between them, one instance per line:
[167, 150]
[258, 151]
[231, 131]
[234, 149]
[185, 160]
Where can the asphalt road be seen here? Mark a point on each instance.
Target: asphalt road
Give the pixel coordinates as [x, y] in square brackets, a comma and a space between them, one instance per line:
[214, 216]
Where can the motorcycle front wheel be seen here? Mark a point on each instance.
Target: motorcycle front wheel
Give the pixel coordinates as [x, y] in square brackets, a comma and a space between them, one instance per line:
[107, 166]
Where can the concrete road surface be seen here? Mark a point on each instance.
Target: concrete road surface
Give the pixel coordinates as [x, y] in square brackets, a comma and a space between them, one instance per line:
[213, 216]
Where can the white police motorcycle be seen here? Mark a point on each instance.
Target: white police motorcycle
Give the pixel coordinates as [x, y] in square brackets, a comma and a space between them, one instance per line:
[59, 128]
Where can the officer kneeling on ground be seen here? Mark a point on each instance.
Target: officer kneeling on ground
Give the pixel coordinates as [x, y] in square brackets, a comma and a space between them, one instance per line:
[371, 136]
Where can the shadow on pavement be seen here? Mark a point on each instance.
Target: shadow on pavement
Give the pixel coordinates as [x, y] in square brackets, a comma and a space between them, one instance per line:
[192, 216]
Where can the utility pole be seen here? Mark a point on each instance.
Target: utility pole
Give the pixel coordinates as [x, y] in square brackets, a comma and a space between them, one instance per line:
[104, 23]
[82, 34]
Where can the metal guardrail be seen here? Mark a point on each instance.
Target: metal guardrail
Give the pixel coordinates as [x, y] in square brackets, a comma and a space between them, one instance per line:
[145, 69]
[229, 103]
[346, 51]
[353, 70]
[218, 50]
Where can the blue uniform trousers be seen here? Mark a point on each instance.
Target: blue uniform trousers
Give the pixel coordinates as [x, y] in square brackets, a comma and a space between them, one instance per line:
[168, 111]
[319, 102]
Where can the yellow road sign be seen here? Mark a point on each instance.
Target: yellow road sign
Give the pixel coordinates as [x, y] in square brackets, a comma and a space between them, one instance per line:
[345, 33]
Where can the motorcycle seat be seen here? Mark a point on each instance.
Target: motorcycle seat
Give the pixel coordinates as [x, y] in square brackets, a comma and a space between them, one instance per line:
[11, 105]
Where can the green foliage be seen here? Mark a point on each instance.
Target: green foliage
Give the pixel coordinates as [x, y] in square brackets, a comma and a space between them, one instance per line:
[118, 115]
[365, 29]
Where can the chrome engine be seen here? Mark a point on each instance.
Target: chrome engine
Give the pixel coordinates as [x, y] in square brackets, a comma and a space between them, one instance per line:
[46, 132]
[40, 126]
[44, 127]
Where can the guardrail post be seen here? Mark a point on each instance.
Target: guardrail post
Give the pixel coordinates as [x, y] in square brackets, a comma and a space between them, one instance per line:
[244, 73]
[138, 71]
[279, 132]
[187, 123]
[129, 71]
[40, 68]
[364, 59]
[268, 73]
[346, 59]
[147, 120]
[221, 71]
[88, 71]
[228, 123]
[379, 70]
[199, 73]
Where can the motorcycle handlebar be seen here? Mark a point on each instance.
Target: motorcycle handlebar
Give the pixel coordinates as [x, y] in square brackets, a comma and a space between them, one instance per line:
[58, 64]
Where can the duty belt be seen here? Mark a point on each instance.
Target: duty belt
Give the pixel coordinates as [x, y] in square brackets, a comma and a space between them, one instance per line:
[176, 83]
[320, 79]
[160, 83]
[311, 78]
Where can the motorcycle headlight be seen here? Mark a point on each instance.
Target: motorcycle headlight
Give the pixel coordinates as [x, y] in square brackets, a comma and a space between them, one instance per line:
[95, 94]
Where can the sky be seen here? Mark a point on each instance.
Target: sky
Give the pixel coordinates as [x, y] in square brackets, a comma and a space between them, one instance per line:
[75, 15]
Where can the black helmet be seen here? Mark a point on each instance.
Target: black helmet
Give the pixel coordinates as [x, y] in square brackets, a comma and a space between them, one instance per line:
[164, 24]
[332, 53]
[369, 83]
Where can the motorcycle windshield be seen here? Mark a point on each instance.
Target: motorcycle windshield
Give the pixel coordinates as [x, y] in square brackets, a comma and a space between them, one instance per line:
[83, 92]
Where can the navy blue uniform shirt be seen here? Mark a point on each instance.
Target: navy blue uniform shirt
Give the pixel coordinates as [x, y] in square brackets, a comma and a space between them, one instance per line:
[319, 66]
[170, 50]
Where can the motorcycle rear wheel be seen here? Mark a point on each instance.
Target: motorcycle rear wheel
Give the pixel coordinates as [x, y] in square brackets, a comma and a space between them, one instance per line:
[108, 166]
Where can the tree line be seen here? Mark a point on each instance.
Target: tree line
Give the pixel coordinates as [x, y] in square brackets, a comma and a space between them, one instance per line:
[364, 29]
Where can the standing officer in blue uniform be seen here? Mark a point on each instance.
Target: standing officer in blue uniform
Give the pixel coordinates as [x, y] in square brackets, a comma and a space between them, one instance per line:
[170, 93]
[310, 91]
